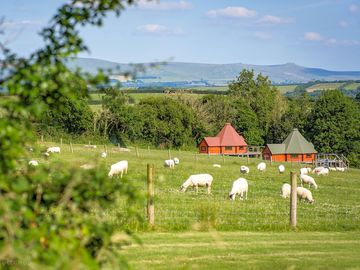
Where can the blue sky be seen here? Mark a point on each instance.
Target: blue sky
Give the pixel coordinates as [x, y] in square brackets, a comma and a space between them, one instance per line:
[324, 33]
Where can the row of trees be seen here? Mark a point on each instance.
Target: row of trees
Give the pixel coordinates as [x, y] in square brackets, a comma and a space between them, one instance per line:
[254, 107]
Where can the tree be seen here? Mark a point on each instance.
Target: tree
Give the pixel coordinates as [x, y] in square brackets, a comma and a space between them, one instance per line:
[334, 125]
[46, 213]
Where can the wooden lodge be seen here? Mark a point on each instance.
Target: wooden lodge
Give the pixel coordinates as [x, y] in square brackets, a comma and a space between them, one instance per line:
[226, 142]
[295, 148]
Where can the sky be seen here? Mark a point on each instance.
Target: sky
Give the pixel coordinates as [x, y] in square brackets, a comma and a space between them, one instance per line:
[323, 33]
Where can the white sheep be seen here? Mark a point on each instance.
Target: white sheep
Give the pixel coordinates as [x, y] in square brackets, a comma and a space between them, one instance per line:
[87, 166]
[317, 169]
[304, 194]
[324, 171]
[54, 149]
[244, 169]
[119, 168]
[240, 187]
[169, 163]
[33, 163]
[176, 161]
[261, 166]
[198, 180]
[332, 169]
[285, 190]
[216, 165]
[307, 179]
[340, 169]
[305, 170]
[281, 168]
[103, 154]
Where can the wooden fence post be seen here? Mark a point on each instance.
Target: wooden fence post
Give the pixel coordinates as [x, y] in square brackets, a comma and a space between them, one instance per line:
[137, 151]
[223, 156]
[71, 147]
[42, 138]
[150, 199]
[196, 157]
[293, 199]
[270, 160]
[61, 142]
[247, 159]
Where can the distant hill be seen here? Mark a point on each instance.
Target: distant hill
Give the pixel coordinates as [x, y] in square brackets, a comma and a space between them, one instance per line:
[217, 74]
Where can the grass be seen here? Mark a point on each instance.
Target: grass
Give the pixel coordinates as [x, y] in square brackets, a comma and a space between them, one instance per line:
[286, 88]
[337, 206]
[324, 86]
[245, 250]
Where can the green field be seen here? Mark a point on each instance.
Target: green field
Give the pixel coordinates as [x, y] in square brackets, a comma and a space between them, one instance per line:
[286, 88]
[200, 231]
[245, 250]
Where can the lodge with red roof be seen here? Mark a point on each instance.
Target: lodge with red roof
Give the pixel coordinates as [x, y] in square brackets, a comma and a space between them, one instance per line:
[226, 142]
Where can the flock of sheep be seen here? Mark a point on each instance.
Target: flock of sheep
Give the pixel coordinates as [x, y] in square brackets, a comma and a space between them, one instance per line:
[239, 186]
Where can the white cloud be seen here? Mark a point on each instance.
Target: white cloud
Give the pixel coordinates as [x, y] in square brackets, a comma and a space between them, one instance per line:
[262, 35]
[343, 24]
[353, 8]
[316, 37]
[179, 5]
[157, 29]
[20, 24]
[313, 36]
[270, 19]
[232, 12]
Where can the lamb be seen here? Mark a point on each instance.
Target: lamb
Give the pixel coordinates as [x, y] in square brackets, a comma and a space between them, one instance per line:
[119, 168]
[244, 169]
[285, 190]
[54, 149]
[176, 161]
[304, 194]
[281, 168]
[340, 169]
[332, 169]
[305, 170]
[216, 165]
[103, 154]
[198, 180]
[33, 163]
[240, 186]
[87, 166]
[318, 169]
[308, 180]
[169, 163]
[261, 166]
[324, 171]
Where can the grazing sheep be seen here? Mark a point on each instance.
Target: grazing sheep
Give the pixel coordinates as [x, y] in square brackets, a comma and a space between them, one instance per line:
[285, 190]
[261, 166]
[305, 170]
[318, 169]
[198, 180]
[169, 163]
[216, 165]
[176, 161]
[119, 168]
[54, 149]
[324, 171]
[46, 155]
[308, 180]
[244, 169]
[332, 169]
[33, 163]
[103, 154]
[240, 186]
[304, 194]
[340, 169]
[87, 166]
[281, 168]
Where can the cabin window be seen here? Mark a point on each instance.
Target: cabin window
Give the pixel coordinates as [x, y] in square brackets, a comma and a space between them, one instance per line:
[308, 155]
[228, 148]
[203, 148]
[241, 147]
[294, 155]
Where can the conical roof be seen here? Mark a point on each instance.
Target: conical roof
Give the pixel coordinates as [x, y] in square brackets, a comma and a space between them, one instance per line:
[295, 143]
[229, 137]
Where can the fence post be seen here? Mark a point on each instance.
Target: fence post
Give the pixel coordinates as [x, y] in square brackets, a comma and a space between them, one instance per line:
[149, 149]
[150, 199]
[61, 142]
[293, 199]
[137, 151]
[71, 147]
[196, 157]
[247, 158]
[270, 160]
[223, 156]
[42, 138]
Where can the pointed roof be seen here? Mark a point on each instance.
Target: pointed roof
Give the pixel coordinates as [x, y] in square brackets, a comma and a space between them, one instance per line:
[229, 137]
[212, 141]
[295, 143]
